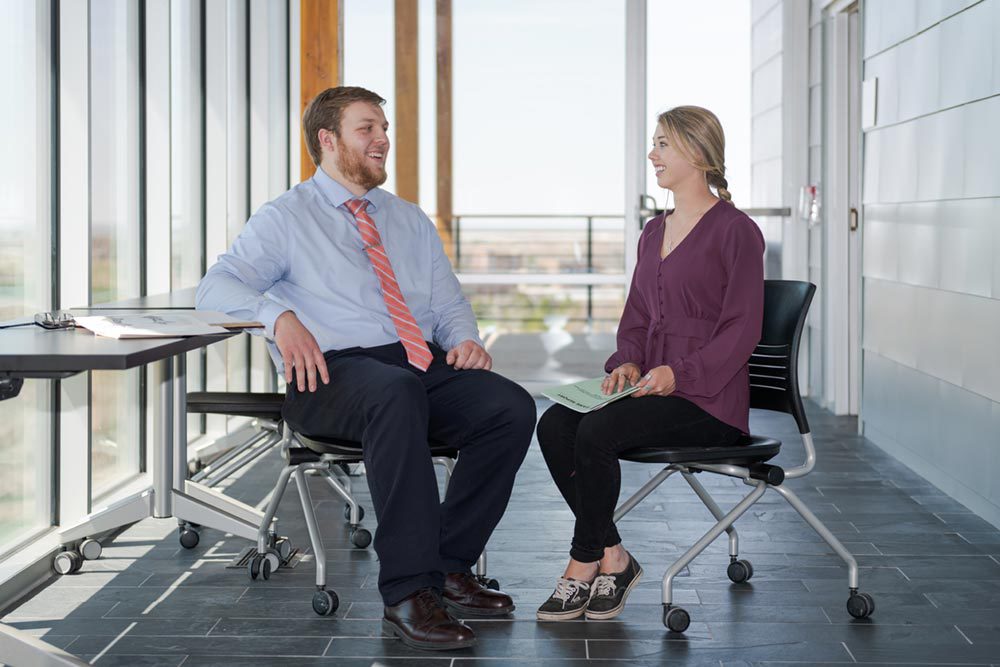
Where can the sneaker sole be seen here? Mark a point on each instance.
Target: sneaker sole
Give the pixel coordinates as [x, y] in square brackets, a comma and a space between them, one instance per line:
[611, 613]
[390, 629]
[476, 611]
[560, 615]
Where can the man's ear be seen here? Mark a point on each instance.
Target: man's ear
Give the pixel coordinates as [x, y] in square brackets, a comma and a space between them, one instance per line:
[327, 140]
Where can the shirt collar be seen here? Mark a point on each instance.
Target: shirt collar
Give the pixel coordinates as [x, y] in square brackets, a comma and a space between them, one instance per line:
[336, 194]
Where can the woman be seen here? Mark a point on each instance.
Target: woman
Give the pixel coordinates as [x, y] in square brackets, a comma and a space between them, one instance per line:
[691, 320]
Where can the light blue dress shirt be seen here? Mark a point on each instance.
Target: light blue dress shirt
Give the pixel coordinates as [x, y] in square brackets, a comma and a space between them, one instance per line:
[303, 252]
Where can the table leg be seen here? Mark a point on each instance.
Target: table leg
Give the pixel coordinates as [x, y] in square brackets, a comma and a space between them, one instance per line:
[193, 502]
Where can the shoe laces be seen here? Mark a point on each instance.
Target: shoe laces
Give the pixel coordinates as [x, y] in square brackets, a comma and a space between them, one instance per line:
[567, 588]
[605, 584]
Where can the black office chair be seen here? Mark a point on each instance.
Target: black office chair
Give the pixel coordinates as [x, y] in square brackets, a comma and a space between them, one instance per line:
[773, 386]
[319, 456]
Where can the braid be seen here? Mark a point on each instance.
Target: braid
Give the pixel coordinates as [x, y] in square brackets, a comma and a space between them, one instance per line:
[719, 182]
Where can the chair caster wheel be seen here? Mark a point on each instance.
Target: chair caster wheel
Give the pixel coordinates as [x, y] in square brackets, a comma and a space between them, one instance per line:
[91, 549]
[325, 602]
[283, 545]
[269, 564]
[675, 618]
[361, 538]
[189, 538]
[739, 571]
[860, 605]
[67, 562]
[347, 512]
[491, 584]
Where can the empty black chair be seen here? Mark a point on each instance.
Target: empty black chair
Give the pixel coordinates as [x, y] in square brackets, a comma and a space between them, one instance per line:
[773, 386]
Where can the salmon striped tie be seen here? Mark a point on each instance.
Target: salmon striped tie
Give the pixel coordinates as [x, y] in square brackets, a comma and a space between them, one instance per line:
[417, 352]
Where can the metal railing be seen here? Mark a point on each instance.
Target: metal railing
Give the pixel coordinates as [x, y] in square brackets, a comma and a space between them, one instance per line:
[597, 240]
[584, 250]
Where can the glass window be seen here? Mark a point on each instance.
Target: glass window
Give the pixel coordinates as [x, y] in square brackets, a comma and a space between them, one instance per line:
[115, 266]
[25, 238]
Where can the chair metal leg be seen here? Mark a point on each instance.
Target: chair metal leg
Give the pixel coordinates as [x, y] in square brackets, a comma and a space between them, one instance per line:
[449, 467]
[338, 488]
[641, 494]
[272, 507]
[314, 536]
[822, 531]
[342, 476]
[713, 507]
[678, 565]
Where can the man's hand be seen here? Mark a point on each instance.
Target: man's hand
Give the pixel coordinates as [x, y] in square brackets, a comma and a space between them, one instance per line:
[620, 378]
[658, 382]
[469, 355]
[299, 351]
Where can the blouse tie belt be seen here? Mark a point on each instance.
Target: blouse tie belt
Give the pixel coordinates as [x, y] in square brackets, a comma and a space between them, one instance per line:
[687, 327]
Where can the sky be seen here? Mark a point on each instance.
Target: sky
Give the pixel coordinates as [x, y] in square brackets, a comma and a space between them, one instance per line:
[539, 94]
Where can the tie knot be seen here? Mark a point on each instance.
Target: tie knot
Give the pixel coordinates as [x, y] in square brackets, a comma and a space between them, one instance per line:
[356, 206]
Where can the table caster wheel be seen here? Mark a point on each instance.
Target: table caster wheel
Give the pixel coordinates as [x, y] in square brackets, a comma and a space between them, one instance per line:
[361, 538]
[67, 562]
[739, 571]
[347, 512]
[675, 618]
[269, 564]
[253, 566]
[860, 605]
[91, 549]
[325, 602]
[189, 538]
[284, 548]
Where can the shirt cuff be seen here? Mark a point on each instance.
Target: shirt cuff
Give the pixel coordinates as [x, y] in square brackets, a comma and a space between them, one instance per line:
[268, 313]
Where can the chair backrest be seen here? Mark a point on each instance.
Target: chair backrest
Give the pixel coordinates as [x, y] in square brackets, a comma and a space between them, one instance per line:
[774, 364]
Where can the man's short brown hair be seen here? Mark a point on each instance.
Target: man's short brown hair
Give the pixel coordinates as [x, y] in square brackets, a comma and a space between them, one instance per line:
[325, 111]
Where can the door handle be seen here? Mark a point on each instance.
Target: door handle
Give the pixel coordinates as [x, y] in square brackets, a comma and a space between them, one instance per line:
[645, 212]
[853, 219]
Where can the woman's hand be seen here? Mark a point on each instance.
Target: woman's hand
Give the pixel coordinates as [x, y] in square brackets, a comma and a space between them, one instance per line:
[617, 379]
[658, 382]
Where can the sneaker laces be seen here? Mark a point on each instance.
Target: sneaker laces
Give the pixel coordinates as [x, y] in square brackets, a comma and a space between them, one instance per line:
[605, 585]
[567, 588]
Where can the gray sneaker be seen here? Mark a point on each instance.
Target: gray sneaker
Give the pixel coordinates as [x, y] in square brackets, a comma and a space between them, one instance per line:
[610, 590]
[567, 602]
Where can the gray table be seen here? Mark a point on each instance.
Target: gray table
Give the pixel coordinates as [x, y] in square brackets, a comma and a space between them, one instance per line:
[32, 352]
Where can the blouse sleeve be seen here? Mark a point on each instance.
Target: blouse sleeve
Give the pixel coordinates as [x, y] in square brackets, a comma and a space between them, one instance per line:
[706, 371]
[634, 325]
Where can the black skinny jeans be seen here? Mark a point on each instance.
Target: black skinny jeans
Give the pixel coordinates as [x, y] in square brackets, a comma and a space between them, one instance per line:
[582, 450]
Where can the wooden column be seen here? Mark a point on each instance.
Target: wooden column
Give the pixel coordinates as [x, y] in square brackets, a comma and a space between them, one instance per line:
[444, 151]
[407, 121]
[321, 57]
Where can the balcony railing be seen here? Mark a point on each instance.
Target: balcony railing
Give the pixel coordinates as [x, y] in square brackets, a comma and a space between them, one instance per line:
[536, 271]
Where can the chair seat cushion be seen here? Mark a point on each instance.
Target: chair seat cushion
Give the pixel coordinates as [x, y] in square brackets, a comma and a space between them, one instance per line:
[351, 449]
[753, 449]
[241, 404]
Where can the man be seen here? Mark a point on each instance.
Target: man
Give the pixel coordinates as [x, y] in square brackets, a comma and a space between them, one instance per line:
[378, 345]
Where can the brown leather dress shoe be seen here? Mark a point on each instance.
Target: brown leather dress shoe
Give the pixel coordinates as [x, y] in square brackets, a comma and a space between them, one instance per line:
[421, 621]
[463, 593]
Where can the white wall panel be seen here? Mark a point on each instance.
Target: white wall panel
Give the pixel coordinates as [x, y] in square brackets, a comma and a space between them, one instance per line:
[765, 138]
[981, 154]
[765, 86]
[948, 335]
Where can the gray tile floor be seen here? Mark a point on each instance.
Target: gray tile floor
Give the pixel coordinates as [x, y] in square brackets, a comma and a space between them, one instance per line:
[932, 566]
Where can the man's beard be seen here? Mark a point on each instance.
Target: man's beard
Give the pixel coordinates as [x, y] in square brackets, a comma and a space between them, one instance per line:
[355, 168]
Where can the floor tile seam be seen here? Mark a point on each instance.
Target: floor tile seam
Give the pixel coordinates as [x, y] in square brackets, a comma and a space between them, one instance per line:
[851, 655]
